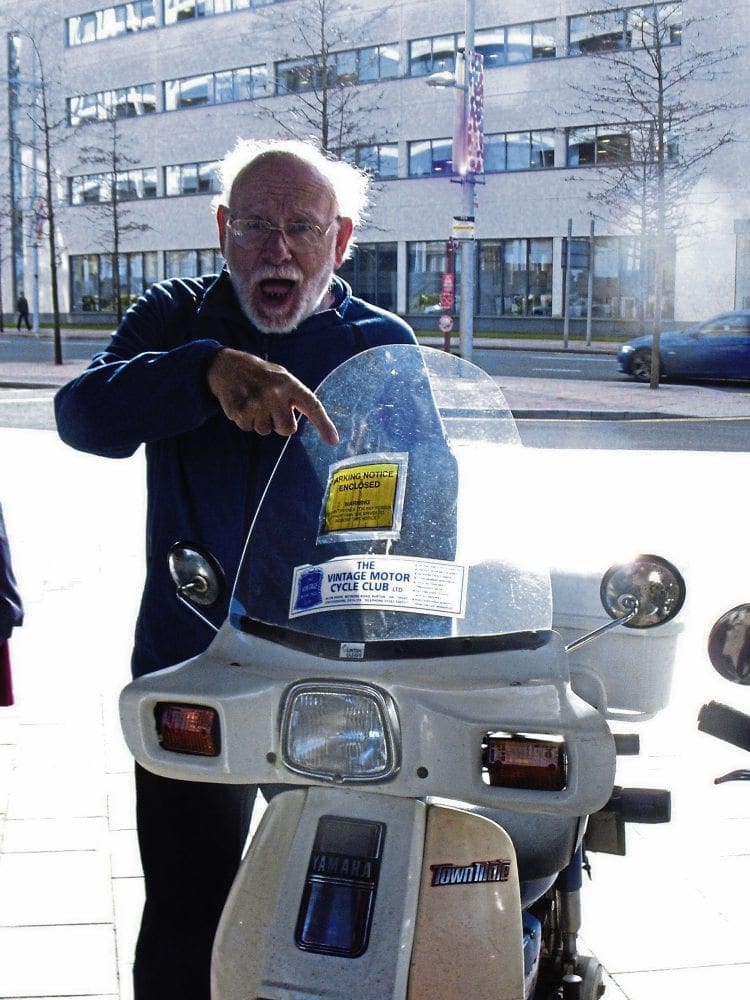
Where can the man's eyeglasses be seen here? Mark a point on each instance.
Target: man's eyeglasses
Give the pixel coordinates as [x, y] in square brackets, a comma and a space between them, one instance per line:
[254, 232]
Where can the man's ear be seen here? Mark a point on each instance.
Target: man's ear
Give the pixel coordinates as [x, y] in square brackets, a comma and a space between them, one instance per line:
[222, 214]
[343, 238]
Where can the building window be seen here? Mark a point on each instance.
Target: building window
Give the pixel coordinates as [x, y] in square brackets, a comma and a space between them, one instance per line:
[187, 10]
[519, 151]
[500, 46]
[126, 102]
[378, 62]
[616, 30]
[515, 277]
[132, 185]
[109, 22]
[640, 25]
[223, 87]
[430, 158]
[426, 263]
[371, 271]
[432, 55]
[742, 278]
[623, 279]
[354, 66]
[602, 145]
[192, 178]
[92, 284]
[380, 160]
[188, 263]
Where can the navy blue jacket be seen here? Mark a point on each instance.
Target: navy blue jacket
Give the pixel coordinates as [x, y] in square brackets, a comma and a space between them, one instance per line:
[204, 475]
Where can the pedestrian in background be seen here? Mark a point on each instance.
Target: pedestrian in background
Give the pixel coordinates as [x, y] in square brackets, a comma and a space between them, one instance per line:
[23, 311]
[11, 614]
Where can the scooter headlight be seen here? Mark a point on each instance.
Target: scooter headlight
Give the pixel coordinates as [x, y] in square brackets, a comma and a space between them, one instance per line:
[340, 732]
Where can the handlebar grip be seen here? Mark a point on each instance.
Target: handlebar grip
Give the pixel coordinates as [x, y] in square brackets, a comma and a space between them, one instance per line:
[726, 724]
[641, 805]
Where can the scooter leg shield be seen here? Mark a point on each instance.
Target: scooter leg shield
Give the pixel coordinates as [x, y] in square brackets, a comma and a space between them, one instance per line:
[324, 903]
[468, 940]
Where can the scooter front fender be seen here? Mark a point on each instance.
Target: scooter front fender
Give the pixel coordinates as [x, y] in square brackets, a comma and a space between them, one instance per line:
[444, 919]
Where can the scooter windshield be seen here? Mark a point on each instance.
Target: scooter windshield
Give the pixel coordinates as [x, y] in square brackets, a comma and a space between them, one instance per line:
[412, 527]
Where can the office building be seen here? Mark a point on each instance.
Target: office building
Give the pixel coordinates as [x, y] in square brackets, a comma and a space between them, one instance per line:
[153, 92]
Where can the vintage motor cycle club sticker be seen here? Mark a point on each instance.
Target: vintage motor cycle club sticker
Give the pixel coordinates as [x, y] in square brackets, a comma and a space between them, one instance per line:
[380, 583]
[364, 497]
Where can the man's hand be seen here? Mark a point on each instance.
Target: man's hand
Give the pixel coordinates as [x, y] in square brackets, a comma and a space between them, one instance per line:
[262, 397]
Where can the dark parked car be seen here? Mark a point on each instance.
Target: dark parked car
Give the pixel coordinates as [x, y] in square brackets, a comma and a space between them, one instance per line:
[718, 348]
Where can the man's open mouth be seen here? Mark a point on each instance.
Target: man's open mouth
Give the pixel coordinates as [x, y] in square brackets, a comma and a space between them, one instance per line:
[277, 289]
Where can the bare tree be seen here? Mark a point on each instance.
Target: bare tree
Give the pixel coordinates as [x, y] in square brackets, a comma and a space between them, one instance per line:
[110, 211]
[326, 74]
[668, 115]
[47, 119]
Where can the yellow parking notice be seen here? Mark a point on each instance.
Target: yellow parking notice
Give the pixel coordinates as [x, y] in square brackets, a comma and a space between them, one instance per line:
[364, 498]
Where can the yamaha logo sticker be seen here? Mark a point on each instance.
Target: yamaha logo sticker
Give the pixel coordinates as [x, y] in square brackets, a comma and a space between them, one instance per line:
[342, 866]
[477, 871]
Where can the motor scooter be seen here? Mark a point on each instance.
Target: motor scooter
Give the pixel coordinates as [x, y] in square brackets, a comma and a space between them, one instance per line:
[390, 659]
[729, 652]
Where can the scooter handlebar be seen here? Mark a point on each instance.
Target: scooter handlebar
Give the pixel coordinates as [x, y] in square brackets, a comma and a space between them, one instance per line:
[726, 724]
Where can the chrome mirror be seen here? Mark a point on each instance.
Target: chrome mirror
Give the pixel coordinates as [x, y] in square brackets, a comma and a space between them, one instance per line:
[646, 592]
[729, 645]
[197, 576]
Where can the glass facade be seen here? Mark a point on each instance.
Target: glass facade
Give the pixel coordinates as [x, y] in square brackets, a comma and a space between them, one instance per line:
[601, 145]
[619, 29]
[132, 185]
[372, 273]
[192, 178]
[125, 102]
[623, 280]
[500, 46]
[519, 151]
[353, 66]
[224, 87]
[92, 283]
[176, 11]
[380, 160]
[514, 277]
[742, 289]
[109, 22]
[427, 261]
[181, 263]
[431, 158]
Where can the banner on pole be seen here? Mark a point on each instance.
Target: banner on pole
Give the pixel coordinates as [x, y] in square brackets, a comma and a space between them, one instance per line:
[468, 138]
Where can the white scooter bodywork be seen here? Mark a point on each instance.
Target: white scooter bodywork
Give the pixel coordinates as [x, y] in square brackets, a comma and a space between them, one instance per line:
[400, 863]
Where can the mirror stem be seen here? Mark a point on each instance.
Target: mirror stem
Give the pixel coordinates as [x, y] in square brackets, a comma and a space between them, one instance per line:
[195, 611]
[615, 623]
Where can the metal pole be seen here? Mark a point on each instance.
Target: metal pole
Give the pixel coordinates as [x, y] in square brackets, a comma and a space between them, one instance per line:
[466, 314]
[590, 289]
[566, 314]
[34, 208]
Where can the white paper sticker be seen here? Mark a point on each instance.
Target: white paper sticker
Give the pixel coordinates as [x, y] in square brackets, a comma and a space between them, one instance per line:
[380, 583]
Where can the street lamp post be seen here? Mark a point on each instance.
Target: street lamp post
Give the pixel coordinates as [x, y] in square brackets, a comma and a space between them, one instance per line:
[467, 175]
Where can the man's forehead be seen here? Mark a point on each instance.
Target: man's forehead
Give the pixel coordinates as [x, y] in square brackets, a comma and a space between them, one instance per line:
[279, 180]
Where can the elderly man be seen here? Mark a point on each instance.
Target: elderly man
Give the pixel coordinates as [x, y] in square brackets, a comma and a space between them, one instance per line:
[204, 371]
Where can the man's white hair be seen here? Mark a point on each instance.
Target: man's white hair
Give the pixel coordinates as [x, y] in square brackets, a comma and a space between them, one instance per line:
[350, 185]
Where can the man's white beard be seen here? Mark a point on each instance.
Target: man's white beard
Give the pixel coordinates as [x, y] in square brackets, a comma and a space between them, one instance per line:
[310, 303]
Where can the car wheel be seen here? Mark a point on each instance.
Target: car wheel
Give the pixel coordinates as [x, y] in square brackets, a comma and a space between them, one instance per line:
[640, 365]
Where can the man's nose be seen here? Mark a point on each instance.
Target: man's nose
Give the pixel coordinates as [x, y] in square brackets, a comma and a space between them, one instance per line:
[276, 248]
